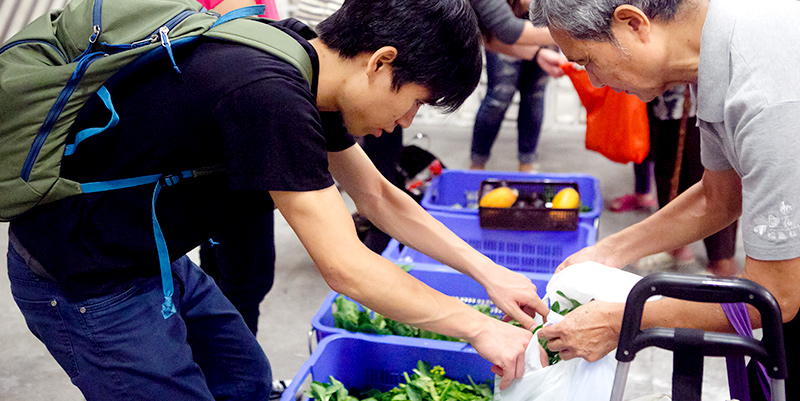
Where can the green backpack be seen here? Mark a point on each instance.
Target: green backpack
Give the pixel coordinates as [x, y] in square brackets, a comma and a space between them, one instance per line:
[56, 63]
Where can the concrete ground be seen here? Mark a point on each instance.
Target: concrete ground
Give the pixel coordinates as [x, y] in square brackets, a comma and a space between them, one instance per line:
[28, 373]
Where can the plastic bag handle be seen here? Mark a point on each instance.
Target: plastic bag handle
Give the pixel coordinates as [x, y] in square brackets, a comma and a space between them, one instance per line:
[769, 351]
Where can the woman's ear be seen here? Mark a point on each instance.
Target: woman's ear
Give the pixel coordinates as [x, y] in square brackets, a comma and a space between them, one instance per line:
[630, 20]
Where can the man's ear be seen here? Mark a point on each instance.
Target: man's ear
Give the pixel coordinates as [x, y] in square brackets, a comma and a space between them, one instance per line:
[381, 59]
[631, 20]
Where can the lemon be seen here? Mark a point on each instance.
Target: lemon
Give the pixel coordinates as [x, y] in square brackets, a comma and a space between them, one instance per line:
[567, 198]
[499, 197]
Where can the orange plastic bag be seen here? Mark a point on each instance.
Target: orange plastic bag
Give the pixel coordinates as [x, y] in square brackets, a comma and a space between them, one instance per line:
[616, 123]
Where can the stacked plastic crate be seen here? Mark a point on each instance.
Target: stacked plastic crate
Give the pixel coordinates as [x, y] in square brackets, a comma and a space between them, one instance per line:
[371, 361]
[452, 198]
[378, 361]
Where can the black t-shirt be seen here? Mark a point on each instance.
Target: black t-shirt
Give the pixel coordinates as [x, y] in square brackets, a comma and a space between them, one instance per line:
[231, 105]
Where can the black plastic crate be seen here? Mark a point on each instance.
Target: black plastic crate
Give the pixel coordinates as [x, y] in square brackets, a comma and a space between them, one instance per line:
[530, 211]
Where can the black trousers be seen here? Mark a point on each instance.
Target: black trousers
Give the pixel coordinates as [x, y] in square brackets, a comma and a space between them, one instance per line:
[242, 257]
[385, 154]
[663, 149]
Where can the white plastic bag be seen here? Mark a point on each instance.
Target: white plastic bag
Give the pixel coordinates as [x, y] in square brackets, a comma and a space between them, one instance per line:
[575, 379]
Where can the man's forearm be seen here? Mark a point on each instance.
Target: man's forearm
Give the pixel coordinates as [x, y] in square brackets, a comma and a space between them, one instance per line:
[695, 214]
[403, 219]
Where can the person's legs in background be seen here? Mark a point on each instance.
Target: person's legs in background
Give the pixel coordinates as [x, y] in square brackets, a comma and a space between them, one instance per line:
[242, 257]
[384, 151]
[641, 198]
[721, 246]
[532, 82]
[502, 73]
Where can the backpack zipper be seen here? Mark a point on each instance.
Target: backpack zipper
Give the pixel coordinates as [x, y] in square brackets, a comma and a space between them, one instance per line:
[25, 41]
[155, 35]
[163, 33]
[83, 63]
[55, 112]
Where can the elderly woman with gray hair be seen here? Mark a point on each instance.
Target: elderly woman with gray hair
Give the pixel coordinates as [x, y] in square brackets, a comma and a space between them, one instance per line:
[740, 59]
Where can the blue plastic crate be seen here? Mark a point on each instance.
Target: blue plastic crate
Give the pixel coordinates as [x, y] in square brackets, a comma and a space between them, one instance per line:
[438, 277]
[364, 363]
[523, 251]
[449, 192]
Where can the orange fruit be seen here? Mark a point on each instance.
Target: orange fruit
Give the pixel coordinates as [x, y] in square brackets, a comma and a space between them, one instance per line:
[499, 197]
[567, 198]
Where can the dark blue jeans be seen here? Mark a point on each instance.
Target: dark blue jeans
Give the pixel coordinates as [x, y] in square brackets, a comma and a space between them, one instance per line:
[505, 77]
[119, 347]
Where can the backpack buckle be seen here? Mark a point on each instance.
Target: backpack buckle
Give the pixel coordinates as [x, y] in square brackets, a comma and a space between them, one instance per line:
[169, 179]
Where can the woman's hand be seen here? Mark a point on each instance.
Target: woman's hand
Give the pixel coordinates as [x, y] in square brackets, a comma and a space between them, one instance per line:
[550, 61]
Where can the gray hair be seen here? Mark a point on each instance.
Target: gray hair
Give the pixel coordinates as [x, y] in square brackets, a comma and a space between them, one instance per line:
[591, 19]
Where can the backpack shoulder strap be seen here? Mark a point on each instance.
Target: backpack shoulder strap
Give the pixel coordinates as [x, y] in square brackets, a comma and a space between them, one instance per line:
[266, 37]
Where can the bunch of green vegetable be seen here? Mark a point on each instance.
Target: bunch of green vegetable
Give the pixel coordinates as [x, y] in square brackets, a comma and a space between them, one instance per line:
[353, 317]
[552, 356]
[425, 384]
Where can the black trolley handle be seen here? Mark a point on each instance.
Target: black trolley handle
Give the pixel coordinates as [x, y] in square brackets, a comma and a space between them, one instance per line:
[769, 351]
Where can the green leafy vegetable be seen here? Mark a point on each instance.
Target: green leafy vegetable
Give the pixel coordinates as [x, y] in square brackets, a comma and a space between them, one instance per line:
[552, 356]
[424, 384]
[351, 316]
[333, 391]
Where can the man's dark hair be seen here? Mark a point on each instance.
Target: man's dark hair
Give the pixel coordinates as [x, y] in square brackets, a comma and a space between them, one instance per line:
[437, 42]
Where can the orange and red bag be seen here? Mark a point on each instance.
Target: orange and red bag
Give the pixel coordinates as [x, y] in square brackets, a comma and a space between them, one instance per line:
[616, 123]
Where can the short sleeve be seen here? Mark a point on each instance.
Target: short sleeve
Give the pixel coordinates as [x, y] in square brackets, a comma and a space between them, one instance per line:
[712, 153]
[770, 169]
[273, 137]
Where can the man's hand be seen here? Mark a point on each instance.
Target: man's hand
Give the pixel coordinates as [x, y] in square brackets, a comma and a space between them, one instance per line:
[515, 295]
[590, 332]
[550, 61]
[503, 345]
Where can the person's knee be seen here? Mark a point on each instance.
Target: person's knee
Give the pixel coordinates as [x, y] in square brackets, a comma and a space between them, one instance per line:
[501, 95]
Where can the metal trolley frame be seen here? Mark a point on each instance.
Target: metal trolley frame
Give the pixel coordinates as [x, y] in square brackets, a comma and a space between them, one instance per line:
[689, 346]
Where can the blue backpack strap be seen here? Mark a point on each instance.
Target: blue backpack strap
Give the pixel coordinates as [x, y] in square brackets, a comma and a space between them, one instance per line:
[161, 180]
[55, 111]
[102, 186]
[249, 11]
[168, 307]
[105, 96]
[166, 44]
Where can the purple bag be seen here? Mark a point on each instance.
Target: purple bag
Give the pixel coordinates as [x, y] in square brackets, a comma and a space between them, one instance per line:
[737, 371]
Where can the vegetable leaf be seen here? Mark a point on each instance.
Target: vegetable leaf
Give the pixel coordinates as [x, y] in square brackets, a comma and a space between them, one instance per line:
[424, 384]
[351, 316]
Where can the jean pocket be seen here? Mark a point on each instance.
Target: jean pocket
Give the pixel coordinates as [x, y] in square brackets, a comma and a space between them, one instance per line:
[110, 301]
[121, 312]
[45, 321]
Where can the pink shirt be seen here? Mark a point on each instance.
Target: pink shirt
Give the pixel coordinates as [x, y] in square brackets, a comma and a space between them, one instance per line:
[270, 12]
